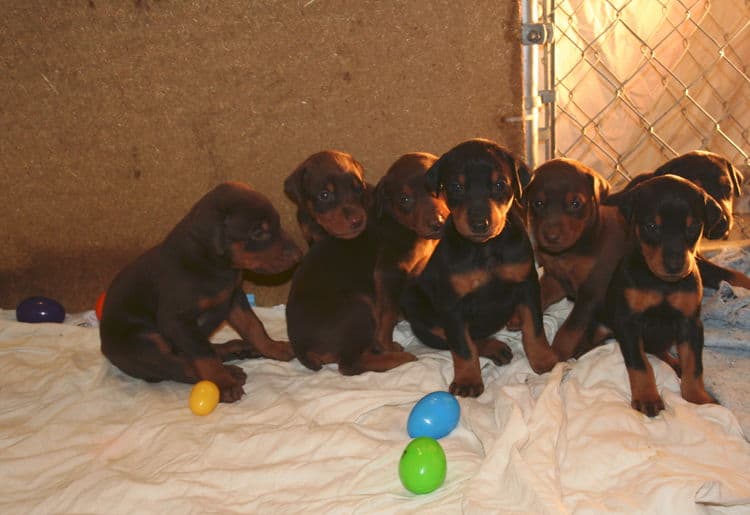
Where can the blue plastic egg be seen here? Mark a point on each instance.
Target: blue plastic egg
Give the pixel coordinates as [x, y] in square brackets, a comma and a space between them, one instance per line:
[435, 415]
[35, 310]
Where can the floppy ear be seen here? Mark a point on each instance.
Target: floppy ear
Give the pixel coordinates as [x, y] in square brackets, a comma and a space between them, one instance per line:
[293, 184]
[432, 177]
[360, 168]
[381, 199]
[601, 188]
[368, 195]
[737, 178]
[625, 201]
[527, 191]
[521, 176]
[713, 213]
[206, 228]
[635, 181]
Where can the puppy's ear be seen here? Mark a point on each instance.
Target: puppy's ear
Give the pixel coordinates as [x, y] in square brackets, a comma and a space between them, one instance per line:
[521, 176]
[713, 213]
[381, 199]
[737, 178]
[600, 187]
[294, 183]
[360, 168]
[207, 229]
[432, 178]
[527, 192]
[368, 195]
[625, 201]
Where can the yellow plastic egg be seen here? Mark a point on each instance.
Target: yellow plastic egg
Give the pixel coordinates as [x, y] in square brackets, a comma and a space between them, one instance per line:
[204, 397]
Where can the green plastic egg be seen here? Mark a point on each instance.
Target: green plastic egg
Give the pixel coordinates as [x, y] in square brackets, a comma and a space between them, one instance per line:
[422, 466]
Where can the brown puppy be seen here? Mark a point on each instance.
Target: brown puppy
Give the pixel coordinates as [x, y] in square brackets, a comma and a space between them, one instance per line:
[481, 270]
[331, 196]
[410, 222]
[577, 241]
[330, 312]
[161, 309]
[723, 182]
[654, 299]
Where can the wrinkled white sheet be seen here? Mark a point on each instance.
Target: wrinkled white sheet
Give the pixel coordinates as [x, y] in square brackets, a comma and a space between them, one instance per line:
[78, 436]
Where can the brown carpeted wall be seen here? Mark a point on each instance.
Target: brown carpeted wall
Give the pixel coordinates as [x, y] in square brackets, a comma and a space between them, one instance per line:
[115, 117]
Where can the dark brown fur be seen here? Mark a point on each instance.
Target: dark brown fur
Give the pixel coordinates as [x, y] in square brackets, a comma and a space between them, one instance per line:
[331, 196]
[161, 309]
[330, 312]
[410, 221]
[577, 241]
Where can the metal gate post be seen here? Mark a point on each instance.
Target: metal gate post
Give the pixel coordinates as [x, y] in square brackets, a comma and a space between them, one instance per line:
[533, 34]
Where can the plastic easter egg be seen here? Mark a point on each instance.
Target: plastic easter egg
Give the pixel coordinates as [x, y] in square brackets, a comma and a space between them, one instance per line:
[35, 310]
[99, 306]
[204, 397]
[435, 415]
[423, 466]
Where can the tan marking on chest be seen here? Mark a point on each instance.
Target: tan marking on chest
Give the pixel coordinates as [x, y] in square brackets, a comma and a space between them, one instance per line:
[640, 300]
[466, 282]
[686, 302]
[569, 270]
[415, 262]
[513, 272]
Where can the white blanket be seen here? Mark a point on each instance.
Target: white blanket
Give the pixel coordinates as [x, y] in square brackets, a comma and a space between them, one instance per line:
[78, 436]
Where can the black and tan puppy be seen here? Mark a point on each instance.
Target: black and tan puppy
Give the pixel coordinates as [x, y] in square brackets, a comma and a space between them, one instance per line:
[161, 309]
[577, 241]
[654, 299]
[410, 222]
[716, 175]
[331, 196]
[330, 312]
[481, 270]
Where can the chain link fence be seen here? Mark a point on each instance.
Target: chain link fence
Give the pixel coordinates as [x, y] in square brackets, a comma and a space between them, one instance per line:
[628, 84]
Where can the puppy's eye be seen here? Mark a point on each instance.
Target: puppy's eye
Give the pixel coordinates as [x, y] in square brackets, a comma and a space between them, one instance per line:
[259, 234]
[325, 196]
[538, 204]
[404, 200]
[500, 187]
[651, 227]
[575, 204]
[455, 188]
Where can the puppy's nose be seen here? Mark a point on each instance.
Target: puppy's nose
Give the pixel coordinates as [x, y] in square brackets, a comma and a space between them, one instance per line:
[356, 221]
[438, 223]
[552, 236]
[673, 262]
[480, 225]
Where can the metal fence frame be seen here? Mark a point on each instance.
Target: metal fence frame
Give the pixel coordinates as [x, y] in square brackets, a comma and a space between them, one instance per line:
[544, 116]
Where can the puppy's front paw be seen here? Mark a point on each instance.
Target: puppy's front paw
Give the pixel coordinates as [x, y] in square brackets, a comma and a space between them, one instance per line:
[542, 362]
[498, 351]
[514, 323]
[466, 389]
[648, 406]
[230, 383]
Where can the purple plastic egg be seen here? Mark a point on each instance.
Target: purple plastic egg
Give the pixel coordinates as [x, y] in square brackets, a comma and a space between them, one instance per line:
[35, 310]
